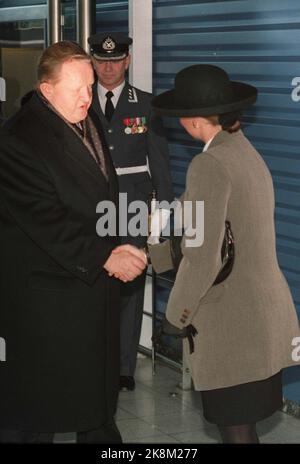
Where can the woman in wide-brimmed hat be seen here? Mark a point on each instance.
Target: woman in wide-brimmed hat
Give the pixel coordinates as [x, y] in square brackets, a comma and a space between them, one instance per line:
[245, 325]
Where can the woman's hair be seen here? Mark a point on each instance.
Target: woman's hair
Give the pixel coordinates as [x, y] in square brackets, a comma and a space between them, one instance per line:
[229, 122]
[55, 55]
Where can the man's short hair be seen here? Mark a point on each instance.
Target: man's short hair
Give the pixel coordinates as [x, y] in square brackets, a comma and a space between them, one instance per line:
[55, 55]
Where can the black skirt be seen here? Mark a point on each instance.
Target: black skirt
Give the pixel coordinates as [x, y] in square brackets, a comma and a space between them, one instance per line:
[243, 404]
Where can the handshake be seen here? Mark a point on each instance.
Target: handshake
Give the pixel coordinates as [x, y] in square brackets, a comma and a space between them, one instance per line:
[126, 262]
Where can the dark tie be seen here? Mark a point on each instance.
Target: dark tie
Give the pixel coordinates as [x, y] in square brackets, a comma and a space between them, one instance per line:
[109, 107]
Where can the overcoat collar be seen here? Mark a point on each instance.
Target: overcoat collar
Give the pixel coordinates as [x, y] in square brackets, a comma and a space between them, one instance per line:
[221, 137]
[70, 141]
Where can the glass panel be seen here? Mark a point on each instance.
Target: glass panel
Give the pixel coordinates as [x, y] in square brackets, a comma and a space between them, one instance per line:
[23, 34]
[21, 44]
[12, 3]
[69, 25]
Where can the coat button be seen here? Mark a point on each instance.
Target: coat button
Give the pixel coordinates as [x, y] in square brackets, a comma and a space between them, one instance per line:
[111, 147]
[110, 131]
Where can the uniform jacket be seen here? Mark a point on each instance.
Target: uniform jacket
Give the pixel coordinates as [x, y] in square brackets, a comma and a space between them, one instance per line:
[245, 324]
[132, 149]
[59, 309]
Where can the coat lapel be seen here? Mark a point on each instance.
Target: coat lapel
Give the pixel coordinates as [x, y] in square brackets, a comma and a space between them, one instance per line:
[121, 103]
[76, 149]
[71, 142]
[96, 104]
[112, 176]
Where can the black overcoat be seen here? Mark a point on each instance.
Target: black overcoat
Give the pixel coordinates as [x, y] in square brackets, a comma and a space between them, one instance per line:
[59, 313]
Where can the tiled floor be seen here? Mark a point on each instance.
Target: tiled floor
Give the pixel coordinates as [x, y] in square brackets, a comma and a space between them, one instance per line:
[158, 411]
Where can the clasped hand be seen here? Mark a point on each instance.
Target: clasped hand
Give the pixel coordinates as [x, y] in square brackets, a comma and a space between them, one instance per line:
[126, 262]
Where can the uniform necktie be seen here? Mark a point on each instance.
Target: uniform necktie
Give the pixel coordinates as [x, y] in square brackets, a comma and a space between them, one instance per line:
[109, 107]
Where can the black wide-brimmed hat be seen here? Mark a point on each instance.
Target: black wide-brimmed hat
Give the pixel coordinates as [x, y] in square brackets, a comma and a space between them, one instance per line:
[204, 90]
[109, 46]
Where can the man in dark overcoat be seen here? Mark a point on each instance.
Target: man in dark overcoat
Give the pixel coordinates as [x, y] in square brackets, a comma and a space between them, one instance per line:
[59, 305]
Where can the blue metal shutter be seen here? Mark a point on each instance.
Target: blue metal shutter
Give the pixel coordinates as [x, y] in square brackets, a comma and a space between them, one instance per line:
[112, 16]
[256, 42]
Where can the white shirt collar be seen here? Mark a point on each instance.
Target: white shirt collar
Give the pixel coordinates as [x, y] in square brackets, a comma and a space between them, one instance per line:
[102, 95]
[208, 143]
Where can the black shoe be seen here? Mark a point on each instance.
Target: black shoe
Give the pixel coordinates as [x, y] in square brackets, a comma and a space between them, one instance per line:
[127, 383]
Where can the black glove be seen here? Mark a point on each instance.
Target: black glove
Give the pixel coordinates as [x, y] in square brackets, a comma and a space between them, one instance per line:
[169, 329]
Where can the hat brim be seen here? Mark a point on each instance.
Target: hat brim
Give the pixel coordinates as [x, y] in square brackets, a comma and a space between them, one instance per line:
[108, 57]
[243, 95]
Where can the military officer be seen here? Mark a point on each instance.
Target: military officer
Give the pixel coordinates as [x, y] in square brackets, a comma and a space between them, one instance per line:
[139, 151]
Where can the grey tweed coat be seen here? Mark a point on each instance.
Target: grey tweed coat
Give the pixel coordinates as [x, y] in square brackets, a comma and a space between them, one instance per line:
[247, 323]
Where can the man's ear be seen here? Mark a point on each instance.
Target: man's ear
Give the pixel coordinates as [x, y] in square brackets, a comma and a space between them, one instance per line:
[128, 61]
[47, 89]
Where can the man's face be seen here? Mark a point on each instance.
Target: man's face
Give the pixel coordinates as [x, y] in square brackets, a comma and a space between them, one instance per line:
[111, 73]
[71, 93]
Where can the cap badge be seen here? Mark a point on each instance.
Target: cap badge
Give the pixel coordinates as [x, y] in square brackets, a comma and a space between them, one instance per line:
[109, 44]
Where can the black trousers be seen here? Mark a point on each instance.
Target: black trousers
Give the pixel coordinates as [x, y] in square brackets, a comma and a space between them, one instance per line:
[132, 302]
[107, 433]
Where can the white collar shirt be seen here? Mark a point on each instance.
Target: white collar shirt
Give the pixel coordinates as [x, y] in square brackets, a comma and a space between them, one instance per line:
[207, 144]
[102, 91]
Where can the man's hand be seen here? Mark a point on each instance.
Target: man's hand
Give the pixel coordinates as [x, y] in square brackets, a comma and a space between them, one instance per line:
[138, 252]
[126, 262]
